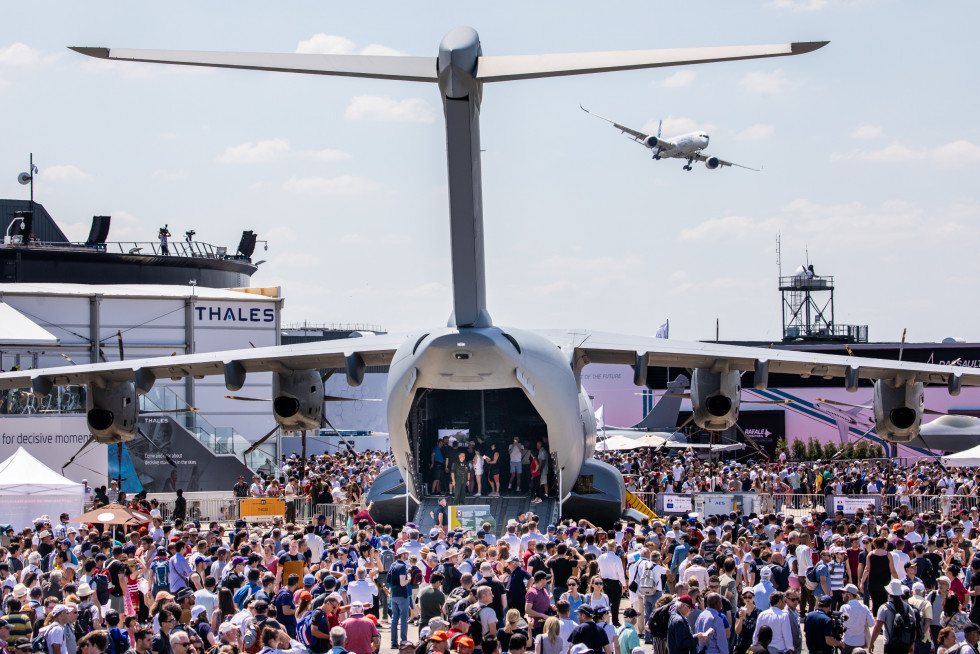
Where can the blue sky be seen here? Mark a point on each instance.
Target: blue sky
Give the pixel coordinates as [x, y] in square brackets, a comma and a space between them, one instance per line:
[869, 148]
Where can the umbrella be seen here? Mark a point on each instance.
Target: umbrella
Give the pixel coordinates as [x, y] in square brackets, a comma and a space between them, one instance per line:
[113, 514]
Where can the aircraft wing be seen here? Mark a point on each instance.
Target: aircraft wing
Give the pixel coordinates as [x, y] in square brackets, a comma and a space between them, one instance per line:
[371, 350]
[599, 347]
[663, 144]
[722, 162]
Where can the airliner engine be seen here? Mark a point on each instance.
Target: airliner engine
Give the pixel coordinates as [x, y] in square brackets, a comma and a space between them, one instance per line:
[898, 409]
[715, 398]
[297, 402]
[711, 163]
[651, 141]
[112, 411]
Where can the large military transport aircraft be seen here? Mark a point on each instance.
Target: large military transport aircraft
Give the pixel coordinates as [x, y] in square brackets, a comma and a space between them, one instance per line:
[514, 380]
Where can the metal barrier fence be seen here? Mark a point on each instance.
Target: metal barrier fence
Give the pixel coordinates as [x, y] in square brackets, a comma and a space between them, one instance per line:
[800, 506]
[336, 514]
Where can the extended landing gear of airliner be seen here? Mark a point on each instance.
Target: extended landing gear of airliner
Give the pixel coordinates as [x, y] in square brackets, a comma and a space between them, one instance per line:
[689, 162]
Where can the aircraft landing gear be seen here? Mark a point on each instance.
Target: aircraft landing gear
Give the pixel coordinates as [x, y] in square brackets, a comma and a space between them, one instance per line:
[689, 162]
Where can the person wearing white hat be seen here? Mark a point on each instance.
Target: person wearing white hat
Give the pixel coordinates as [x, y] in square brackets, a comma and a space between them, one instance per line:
[56, 634]
[858, 620]
[94, 620]
[887, 618]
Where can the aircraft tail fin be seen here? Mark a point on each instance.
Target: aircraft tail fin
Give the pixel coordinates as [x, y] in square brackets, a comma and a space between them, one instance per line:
[513, 67]
[664, 414]
[659, 127]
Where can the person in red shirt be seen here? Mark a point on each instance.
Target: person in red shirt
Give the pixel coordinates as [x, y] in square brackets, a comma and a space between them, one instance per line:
[362, 634]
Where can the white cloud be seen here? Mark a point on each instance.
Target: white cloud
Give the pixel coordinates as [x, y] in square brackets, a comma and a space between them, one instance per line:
[352, 238]
[261, 152]
[343, 185]
[951, 155]
[386, 109]
[329, 155]
[772, 83]
[798, 5]
[884, 227]
[678, 79]
[675, 125]
[866, 132]
[19, 54]
[64, 173]
[756, 133]
[170, 176]
[333, 44]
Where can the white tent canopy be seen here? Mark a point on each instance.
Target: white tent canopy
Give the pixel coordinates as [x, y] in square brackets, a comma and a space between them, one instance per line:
[966, 458]
[29, 489]
[18, 329]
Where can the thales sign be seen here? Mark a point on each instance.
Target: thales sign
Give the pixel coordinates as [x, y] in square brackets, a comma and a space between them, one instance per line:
[237, 313]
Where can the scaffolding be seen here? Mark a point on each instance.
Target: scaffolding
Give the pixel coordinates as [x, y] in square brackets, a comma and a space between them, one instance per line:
[808, 311]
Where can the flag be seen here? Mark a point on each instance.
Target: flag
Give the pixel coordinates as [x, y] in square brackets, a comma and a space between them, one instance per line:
[599, 424]
[663, 330]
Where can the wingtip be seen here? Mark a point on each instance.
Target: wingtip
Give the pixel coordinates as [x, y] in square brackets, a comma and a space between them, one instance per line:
[99, 53]
[807, 46]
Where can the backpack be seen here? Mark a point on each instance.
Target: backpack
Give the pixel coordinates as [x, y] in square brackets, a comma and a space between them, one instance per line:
[905, 628]
[245, 592]
[387, 558]
[658, 622]
[252, 638]
[118, 640]
[83, 624]
[647, 583]
[417, 578]
[454, 597]
[100, 582]
[476, 627]
[811, 577]
[40, 641]
[160, 574]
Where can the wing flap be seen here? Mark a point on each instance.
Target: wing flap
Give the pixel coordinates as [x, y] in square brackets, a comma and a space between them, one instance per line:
[621, 349]
[375, 350]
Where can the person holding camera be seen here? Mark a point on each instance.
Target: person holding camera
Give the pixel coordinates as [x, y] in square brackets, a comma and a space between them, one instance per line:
[819, 628]
[857, 619]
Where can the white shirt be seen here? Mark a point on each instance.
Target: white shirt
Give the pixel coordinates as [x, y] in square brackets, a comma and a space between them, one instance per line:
[782, 633]
[611, 567]
[858, 619]
[513, 542]
[207, 599]
[362, 591]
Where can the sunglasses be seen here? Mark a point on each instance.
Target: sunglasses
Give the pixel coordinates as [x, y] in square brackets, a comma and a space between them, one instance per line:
[793, 599]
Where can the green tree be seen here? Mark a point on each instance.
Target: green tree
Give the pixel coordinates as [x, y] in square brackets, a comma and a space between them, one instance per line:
[799, 450]
[860, 450]
[782, 445]
[829, 450]
[813, 449]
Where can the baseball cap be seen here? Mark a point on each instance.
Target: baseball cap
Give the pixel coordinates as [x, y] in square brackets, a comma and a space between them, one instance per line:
[466, 641]
[309, 580]
[438, 636]
[541, 574]
[630, 613]
[686, 599]
[459, 616]
[825, 600]
[586, 609]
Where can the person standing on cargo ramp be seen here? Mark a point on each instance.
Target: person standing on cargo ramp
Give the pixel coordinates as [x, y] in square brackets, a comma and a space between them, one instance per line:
[460, 473]
[516, 454]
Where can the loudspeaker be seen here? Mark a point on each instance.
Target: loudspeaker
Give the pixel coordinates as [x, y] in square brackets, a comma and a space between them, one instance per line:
[247, 245]
[100, 230]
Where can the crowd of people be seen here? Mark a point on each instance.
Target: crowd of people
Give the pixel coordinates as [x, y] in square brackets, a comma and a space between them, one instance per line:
[768, 582]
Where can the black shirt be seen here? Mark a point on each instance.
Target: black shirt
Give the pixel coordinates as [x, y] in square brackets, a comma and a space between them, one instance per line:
[591, 635]
[561, 569]
[816, 628]
[115, 569]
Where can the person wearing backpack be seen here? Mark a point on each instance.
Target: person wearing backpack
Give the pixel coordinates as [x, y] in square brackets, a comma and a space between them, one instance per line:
[53, 637]
[898, 620]
[89, 615]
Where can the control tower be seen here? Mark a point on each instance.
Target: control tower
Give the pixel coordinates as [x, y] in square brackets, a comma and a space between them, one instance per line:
[808, 310]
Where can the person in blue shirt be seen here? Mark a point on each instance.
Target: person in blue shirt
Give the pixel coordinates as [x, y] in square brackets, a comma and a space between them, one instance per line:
[680, 553]
[400, 584]
[763, 589]
[437, 464]
[285, 607]
[818, 628]
[680, 640]
[713, 623]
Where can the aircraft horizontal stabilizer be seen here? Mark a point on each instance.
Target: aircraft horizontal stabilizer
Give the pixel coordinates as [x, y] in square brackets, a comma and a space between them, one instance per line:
[410, 69]
[513, 67]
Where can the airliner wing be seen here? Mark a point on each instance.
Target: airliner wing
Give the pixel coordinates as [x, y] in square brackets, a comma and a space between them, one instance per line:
[234, 364]
[722, 162]
[598, 347]
[637, 135]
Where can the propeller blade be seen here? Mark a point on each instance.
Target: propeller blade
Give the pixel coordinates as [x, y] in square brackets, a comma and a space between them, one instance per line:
[751, 442]
[156, 447]
[327, 375]
[767, 401]
[933, 412]
[335, 430]
[256, 444]
[337, 398]
[247, 399]
[119, 337]
[68, 359]
[80, 450]
[835, 402]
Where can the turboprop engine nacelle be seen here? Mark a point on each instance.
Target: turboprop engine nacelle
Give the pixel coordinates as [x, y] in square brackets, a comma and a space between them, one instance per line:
[898, 410]
[297, 399]
[715, 398]
[711, 163]
[112, 412]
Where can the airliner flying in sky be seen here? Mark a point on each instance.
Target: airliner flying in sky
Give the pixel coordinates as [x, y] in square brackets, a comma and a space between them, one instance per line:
[685, 146]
